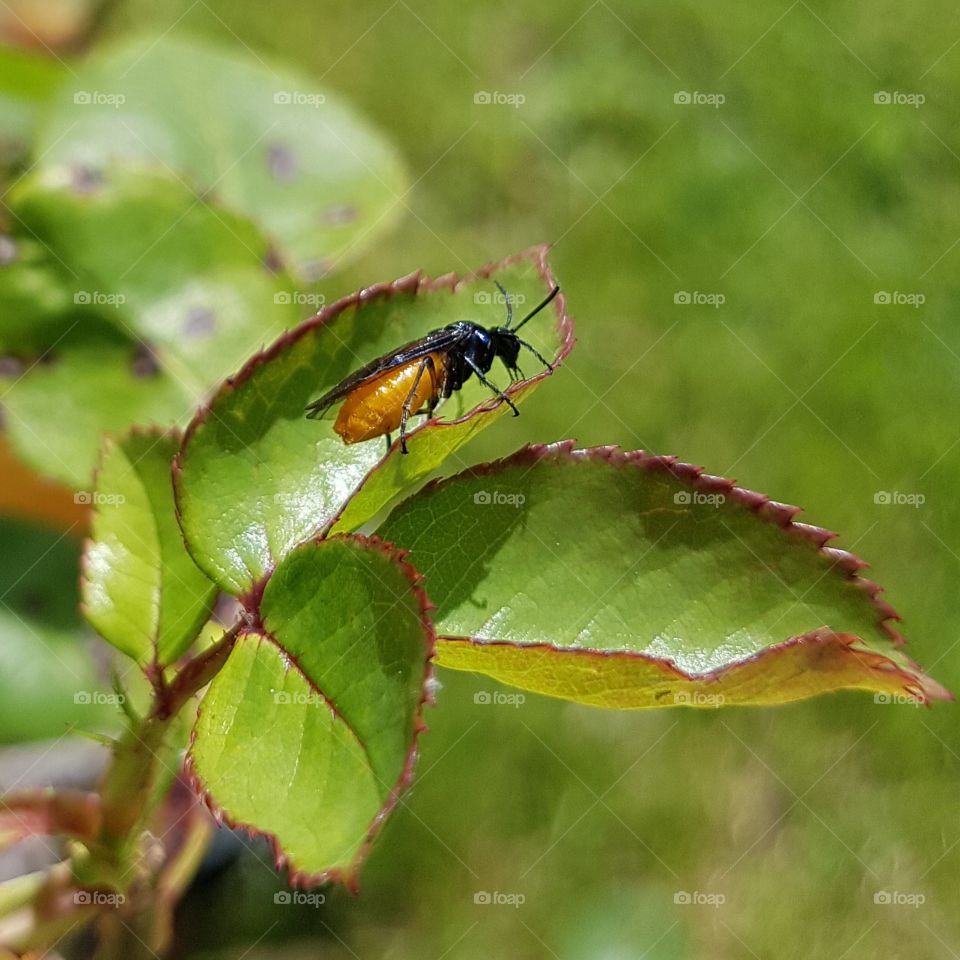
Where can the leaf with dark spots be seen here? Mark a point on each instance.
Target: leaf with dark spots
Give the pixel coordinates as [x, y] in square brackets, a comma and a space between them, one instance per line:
[260, 141]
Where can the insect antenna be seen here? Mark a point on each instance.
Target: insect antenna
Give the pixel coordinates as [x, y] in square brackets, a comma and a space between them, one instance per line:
[507, 301]
[536, 309]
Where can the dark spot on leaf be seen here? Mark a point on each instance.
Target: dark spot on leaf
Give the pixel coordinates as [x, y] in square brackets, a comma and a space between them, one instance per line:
[200, 322]
[145, 362]
[339, 215]
[282, 162]
[10, 367]
[316, 269]
[272, 260]
[8, 250]
[86, 180]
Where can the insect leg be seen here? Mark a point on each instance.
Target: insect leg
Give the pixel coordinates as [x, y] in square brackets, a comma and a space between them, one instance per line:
[389, 442]
[405, 413]
[492, 386]
[536, 353]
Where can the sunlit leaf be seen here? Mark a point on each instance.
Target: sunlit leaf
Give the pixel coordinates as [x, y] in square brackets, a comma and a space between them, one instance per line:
[141, 589]
[256, 477]
[308, 732]
[628, 580]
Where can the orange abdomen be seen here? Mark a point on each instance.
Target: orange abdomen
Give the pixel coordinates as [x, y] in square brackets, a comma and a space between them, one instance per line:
[375, 408]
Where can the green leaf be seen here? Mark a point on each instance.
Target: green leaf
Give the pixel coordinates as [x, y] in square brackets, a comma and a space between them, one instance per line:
[255, 477]
[308, 732]
[146, 254]
[26, 85]
[35, 297]
[91, 382]
[263, 141]
[187, 305]
[141, 590]
[49, 677]
[628, 580]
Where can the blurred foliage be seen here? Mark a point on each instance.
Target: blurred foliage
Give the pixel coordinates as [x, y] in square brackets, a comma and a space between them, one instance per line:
[799, 199]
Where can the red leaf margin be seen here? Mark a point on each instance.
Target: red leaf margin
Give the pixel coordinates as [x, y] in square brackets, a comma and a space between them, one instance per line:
[349, 878]
[779, 514]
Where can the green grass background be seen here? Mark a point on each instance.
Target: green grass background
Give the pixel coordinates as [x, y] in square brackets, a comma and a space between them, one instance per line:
[798, 199]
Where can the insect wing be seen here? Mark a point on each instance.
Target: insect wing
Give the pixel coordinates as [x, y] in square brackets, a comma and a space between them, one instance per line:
[438, 340]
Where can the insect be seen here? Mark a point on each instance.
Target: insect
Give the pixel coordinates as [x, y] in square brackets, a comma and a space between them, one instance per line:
[385, 393]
